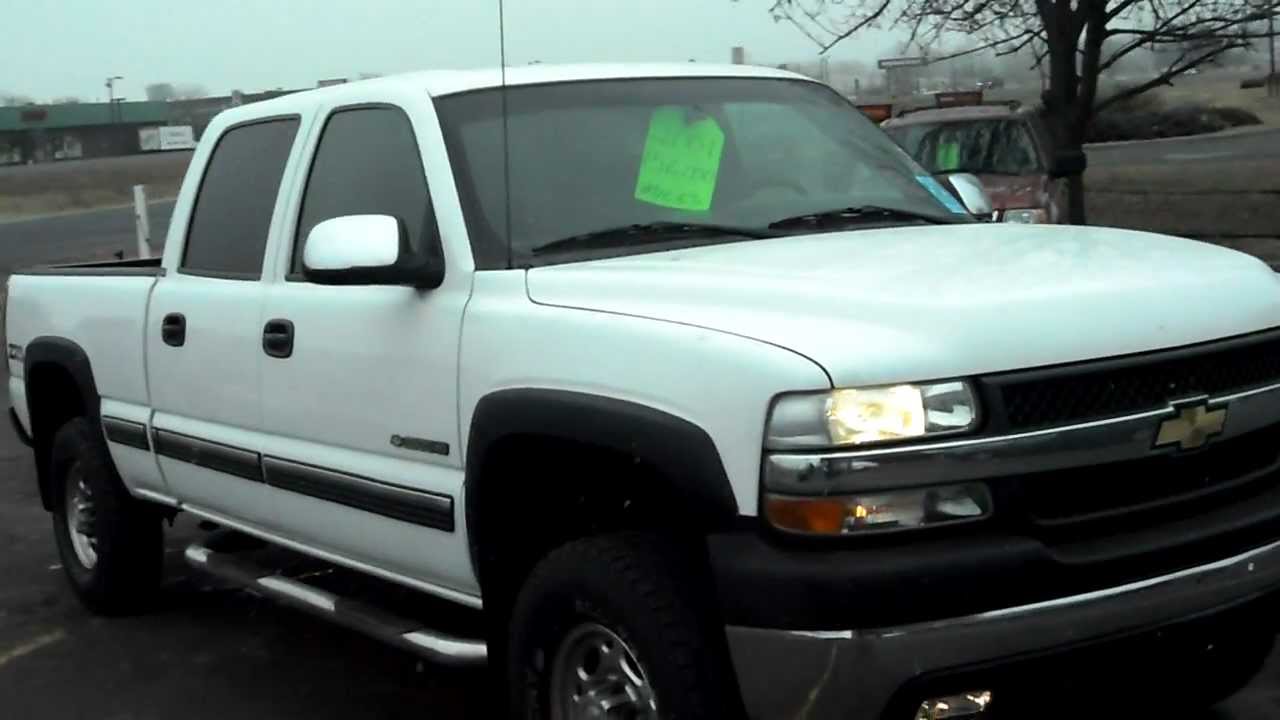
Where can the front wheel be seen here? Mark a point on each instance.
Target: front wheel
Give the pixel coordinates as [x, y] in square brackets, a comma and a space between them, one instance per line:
[618, 626]
[111, 545]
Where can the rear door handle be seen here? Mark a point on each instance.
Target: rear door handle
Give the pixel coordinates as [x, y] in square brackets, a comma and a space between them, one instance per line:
[173, 329]
[277, 338]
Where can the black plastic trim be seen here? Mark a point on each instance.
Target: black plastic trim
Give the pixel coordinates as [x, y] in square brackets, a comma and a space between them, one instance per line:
[682, 453]
[126, 432]
[764, 581]
[990, 387]
[66, 354]
[398, 503]
[18, 430]
[228, 459]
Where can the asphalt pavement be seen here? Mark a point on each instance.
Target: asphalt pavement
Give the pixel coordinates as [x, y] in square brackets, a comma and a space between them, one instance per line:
[74, 236]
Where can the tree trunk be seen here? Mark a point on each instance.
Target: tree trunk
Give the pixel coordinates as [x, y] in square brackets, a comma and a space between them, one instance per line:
[1075, 200]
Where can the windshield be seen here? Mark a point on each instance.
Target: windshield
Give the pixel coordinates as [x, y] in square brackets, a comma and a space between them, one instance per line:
[996, 147]
[591, 156]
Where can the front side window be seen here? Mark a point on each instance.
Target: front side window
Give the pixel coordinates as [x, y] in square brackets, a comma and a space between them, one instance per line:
[982, 147]
[584, 157]
[367, 163]
[227, 236]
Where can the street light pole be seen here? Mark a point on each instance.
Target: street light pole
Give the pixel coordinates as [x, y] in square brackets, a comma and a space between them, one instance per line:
[111, 96]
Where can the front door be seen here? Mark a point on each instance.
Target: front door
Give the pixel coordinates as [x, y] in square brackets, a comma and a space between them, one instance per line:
[204, 329]
[360, 419]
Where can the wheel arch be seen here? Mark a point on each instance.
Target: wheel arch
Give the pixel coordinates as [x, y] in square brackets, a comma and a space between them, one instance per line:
[680, 454]
[60, 385]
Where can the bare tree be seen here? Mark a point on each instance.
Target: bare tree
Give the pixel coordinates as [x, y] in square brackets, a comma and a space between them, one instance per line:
[1076, 40]
[66, 100]
[14, 100]
[191, 91]
[161, 92]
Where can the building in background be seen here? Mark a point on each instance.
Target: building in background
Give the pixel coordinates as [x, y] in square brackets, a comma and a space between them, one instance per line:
[44, 133]
[198, 112]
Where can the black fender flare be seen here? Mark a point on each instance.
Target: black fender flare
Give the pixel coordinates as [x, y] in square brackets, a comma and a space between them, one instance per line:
[69, 356]
[683, 453]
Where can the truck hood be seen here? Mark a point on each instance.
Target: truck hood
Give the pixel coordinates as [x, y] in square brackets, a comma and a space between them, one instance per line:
[896, 305]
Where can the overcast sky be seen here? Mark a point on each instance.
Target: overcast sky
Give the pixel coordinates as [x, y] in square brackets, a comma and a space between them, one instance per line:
[68, 47]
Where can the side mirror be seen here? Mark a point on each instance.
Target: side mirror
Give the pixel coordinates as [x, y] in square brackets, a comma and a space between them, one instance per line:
[970, 191]
[366, 250]
[1068, 163]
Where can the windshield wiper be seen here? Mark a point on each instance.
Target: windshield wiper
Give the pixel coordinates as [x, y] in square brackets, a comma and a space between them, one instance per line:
[647, 233]
[869, 213]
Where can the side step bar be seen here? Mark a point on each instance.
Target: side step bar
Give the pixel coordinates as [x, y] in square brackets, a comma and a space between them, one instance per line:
[428, 644]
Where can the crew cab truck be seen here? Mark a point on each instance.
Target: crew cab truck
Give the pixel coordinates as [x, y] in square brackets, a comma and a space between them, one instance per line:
[700, 390]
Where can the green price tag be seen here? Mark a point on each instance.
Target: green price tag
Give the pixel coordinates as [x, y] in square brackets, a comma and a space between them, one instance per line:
[681, 161]
[948, 156]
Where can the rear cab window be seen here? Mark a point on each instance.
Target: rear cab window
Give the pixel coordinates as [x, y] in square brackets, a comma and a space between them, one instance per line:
[227, 234]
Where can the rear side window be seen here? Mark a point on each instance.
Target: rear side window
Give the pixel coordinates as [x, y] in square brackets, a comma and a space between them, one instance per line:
[367, 163]
[227, 236]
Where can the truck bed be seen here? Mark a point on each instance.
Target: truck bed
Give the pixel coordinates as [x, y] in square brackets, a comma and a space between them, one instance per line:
[98, 308]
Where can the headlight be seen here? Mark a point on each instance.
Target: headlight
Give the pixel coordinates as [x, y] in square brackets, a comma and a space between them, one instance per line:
[878, 511]
[861, 416]
[1026, 215]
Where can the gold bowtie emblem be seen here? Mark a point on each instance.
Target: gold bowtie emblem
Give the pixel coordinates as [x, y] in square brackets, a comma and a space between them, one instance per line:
[1192, 427]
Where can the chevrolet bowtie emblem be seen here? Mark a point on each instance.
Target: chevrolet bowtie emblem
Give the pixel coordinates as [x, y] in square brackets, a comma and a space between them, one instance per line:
[1191, 427]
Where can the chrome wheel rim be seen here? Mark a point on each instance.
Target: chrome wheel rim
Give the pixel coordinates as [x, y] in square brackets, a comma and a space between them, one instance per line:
[81, 519]
[595, 675]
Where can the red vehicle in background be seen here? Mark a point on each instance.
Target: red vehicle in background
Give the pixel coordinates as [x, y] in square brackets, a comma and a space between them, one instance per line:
[1006, 146]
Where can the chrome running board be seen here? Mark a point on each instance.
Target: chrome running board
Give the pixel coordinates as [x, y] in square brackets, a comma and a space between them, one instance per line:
[355, 615]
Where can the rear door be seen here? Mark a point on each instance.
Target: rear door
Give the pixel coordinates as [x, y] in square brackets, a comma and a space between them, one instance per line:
[360, 419]
[204, 333]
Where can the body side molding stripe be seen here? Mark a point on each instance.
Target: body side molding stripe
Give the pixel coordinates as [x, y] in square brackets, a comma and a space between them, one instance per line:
[126, 432]
[232, 460]
[399, 503]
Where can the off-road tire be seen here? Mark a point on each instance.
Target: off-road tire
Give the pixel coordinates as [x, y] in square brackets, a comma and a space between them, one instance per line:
[646, 590]
[129, 539]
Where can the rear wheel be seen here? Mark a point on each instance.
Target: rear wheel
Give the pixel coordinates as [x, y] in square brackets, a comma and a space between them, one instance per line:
[618, 626]
[111, 545]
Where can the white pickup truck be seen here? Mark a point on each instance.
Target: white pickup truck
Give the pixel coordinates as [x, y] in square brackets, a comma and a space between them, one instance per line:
[700, 390]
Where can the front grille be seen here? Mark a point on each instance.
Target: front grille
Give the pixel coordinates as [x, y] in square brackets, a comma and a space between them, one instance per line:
[1064, 396]
[1152, 484]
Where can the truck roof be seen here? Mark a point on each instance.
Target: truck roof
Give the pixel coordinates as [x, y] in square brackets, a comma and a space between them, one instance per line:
[996, 111]
[448, 82]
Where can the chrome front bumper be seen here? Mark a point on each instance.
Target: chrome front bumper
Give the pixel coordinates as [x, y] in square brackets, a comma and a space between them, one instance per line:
[853, 674]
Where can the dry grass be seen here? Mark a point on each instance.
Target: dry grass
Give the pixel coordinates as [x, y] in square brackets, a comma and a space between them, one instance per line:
[78, 184]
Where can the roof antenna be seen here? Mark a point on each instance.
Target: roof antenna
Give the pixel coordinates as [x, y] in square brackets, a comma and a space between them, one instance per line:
[506, 135]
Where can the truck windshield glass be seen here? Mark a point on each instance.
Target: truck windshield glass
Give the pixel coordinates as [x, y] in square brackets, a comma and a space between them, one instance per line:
[985, 147]
[590, 156]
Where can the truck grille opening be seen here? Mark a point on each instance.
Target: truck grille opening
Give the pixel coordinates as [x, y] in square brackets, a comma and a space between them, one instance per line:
[1152, 484]
[1065, 396]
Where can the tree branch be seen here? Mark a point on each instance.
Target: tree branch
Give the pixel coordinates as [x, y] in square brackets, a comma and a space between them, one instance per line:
[1174, 70]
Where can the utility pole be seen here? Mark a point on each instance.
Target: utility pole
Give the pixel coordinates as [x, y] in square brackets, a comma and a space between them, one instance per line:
[111, 96]
[1271, 37]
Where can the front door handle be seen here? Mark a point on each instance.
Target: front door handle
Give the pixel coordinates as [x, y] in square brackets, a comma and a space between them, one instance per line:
[277, 338]
[173, 329]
